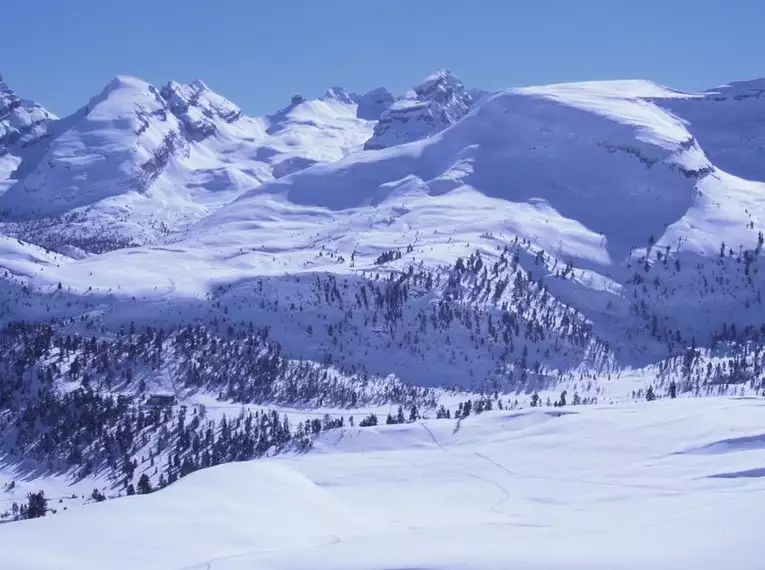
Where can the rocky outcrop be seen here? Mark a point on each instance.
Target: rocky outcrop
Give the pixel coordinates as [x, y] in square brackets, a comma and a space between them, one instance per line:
[440, 101]
[22, 122]
[198, 108]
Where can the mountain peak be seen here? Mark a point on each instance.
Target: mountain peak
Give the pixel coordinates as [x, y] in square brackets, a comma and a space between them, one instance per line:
[198, 107]
[341, 95]
[444, 88]
[199, 85]
[124, 82]
[441, 77]
[374, 103]
[22, 122]
[439, 101]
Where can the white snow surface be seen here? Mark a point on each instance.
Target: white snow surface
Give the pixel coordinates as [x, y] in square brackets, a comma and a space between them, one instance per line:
[674, 484]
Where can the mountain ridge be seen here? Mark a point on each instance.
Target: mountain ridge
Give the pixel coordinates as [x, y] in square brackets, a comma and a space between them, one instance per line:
[555, 245]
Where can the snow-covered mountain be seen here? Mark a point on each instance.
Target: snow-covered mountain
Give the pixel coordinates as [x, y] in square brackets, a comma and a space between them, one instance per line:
[449, 251]
[596, 178]
[441, 100]
[589, 180]
[374, 103]
[22, 124]
[138, 162]
[729, 123]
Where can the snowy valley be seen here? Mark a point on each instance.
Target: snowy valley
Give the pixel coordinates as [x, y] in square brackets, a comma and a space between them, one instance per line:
[446, 317]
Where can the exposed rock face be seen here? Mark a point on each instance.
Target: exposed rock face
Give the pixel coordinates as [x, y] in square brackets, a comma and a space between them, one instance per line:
[198, 107]
[440, 101]
[341, 95]
[374, 103]
[22, 122]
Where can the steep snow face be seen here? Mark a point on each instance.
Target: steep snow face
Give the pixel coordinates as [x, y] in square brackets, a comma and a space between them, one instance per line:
[320, 130]
[729, 123]
[22, 123]
[440, 101]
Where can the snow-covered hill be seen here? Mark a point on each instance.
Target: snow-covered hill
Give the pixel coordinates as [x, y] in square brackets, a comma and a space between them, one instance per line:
[673, 485]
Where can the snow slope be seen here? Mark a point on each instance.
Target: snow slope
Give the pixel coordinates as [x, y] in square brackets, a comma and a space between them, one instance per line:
[729, 123]
[673, 484]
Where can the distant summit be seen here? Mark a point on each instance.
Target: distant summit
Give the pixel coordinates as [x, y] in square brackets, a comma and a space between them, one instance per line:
[341, 95]
[374, 103]
[198, 107]
[438, 102]
[22, 122]
[137, 162]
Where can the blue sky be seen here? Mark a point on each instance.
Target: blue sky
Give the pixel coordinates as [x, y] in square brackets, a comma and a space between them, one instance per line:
[259, 53]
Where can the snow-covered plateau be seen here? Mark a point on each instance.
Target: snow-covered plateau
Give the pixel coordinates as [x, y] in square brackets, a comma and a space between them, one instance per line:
[442, 329]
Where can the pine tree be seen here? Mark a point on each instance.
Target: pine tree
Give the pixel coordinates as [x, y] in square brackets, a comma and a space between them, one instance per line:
[144, 485]
[37, 505]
